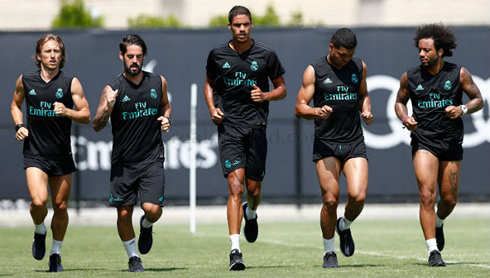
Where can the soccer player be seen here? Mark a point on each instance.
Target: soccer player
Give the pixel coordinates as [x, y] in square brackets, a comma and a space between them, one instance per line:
[435, 89]
[50, 95]
[237, 76]
[139, 109]
[337, 84]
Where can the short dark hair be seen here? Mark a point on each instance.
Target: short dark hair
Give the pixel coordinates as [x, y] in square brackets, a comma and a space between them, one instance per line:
[40, 44]
[132, 39]
[443, 37]
[238, 10]
[344, 37]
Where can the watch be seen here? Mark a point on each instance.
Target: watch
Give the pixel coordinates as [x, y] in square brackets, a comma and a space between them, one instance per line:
[169, 119]
[464, 109]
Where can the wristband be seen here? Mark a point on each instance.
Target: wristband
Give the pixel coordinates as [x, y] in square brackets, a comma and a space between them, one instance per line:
[404, 118]
[17, 127]
[169, 119]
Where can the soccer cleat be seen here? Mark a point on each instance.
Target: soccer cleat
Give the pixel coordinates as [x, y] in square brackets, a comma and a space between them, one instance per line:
[251, 229]
[440, 238]
[135, 264]
[55, 263]
[146, 238]
[347, 246]
[330, 260]
[39, 246]
[236, 261]
[435, 259]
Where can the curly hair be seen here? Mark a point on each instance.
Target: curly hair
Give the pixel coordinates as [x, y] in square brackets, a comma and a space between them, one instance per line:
[443, 37]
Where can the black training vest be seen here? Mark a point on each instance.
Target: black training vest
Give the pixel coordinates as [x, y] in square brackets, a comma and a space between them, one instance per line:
[49, 134]
[430, 95]
[136, 131]
[339, 89]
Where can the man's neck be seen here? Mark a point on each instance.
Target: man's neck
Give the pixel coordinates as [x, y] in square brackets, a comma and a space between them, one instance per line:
[241, 47]
[136, 79]
[47, 74]
[436, 68]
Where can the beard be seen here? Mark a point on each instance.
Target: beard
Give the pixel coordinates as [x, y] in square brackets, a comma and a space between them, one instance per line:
[132, 72]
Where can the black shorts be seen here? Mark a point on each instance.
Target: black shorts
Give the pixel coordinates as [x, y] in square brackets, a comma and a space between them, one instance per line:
[453, 154]
[243, 147]
[129, 179]
[58, 166]
[323, 148]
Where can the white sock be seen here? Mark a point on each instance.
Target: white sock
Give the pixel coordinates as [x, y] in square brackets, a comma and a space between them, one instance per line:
[56, 247]
[328, 245]
[146, 223]
[235, 242]
[344, 223]
[431, 245]
[250, 212]
[130, 247]
[439, 221]
[40, 229]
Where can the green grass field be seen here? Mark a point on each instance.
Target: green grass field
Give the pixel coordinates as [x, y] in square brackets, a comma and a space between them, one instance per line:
[383, 249]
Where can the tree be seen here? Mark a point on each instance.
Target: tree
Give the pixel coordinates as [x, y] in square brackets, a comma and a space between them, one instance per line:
[219, 21]
[149, 21]
[73, 14]
[296, 19]
[269, 19]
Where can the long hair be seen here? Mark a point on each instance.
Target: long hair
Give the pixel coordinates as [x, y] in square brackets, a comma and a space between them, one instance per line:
[42, 41]
[132, 39]
[344, 37]
[443, 37]
[238, 10]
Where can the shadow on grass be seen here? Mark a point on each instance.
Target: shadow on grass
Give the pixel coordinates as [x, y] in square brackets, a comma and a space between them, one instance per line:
[160, 269]
[320, 266]
[72, 269]
[454, 263]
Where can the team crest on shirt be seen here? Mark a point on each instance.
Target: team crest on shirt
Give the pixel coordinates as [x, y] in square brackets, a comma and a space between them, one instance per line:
[227, 164]
[153, 93]
[254, 66]
[448, 85]
[354, 78]
[59, 93]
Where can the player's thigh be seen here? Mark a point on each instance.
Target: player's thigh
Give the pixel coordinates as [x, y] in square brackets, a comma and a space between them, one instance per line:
[60, 188]
[328, 171]
[426, 167]
[37, 184]
[357, 175]
[449, 177]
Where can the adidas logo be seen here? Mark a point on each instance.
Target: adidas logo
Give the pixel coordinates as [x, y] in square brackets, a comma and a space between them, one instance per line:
[32, 93]
[327, 81]
[126, 98]
[226, 66]
[419, 88]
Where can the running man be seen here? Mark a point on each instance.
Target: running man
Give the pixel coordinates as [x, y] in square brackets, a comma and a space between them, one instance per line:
[237, 76]
[435, 89]
[139, 109]
[50, 95]
[337, 85]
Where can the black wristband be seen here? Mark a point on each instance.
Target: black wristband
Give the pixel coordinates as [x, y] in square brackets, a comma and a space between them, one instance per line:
[169, 120]
[18, 126]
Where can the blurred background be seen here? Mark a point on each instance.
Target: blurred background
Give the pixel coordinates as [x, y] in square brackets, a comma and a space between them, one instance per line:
[180, 34]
